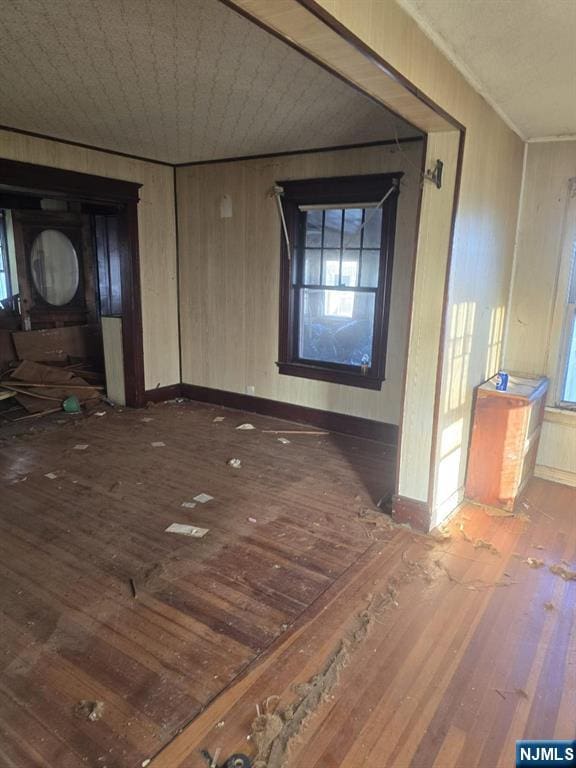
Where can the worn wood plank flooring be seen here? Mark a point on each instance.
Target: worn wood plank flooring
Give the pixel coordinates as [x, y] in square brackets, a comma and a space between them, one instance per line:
[480, 651]
[283, 530]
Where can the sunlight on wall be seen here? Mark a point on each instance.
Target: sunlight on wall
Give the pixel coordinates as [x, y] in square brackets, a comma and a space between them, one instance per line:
[495, 340]
[451, 451]
[457, 359]
[452, 446]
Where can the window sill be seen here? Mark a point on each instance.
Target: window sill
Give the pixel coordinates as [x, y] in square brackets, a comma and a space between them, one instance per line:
[318, 373]
[560, 415]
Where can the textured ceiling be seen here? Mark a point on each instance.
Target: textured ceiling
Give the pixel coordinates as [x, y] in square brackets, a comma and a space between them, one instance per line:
[173, 80]
[520, 54]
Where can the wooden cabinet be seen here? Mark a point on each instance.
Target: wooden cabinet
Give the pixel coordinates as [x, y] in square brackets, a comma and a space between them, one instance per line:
[504, 442]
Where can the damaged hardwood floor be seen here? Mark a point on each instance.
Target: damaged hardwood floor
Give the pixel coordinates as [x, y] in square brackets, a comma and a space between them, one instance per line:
[83, 513]
[446, 651]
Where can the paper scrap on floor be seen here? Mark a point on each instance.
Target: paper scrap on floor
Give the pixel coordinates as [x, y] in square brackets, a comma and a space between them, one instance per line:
[51, 475]
[81, 447]
[283, 440]
[218, 418]
[158, 444]
[203, 498]
[187, 530]
[246, 426]
[188, 504]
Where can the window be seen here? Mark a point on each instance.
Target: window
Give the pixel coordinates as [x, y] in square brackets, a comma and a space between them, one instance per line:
[568, 372]
[336, 278]
[5, 288]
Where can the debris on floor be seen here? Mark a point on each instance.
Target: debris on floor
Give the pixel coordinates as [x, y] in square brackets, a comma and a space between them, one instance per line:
[234, 463]
[158, 444]
[51, 475]
[81, 447]
[40, 388]
[203, 498]
[246, 426]
[218, 419]
[534, 562]
[549, 606]
[89, 710]
[188, 504]
[252, 520]
[563, 572]
[284, 440]
[482, 544]
[187, 530]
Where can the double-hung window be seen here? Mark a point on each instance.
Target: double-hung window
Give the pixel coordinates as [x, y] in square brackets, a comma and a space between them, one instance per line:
[336, 277]
[568, 353]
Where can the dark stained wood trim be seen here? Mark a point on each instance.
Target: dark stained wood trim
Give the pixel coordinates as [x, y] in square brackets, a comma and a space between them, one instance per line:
[44, 180]
[369, 53]
[316, 150]
[413, 512]
[178, 313]
[444, 321]
[132, 339]
[71, 143]
[40, 180]
[160, 394]
[333, 422]
[241, 12]
[332, 375]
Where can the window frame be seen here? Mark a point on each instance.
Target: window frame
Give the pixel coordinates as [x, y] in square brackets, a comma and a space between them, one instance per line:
[563, 313]
[4, 257]
[568, 331]
[345, 190]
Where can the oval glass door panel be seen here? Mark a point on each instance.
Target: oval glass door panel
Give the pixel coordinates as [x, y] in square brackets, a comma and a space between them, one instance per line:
[54, 267]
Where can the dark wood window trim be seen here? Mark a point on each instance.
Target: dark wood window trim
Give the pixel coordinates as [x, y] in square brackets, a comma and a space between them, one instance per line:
[4, 260]
[332, 191]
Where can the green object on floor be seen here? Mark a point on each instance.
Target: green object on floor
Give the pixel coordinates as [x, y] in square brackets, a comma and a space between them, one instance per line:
[71, 404]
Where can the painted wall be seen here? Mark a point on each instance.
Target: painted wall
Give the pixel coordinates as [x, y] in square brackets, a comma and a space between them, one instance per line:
[229, 277]
[484, 232]
[157, 235]
[547, 226]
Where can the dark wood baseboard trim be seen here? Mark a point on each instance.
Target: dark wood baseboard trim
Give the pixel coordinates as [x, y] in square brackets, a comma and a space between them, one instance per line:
[415, 513]
[163, 393]
[334, 422]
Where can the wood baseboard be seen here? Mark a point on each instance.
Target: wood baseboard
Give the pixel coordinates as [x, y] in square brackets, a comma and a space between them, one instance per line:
[415, 513]
[163, 393]
[334, 422]
[555, 475]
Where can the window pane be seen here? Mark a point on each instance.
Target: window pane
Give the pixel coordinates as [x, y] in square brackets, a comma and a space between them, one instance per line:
[314, 229]
[336, 326]
[570, 386]
[370, 269]
[331, 272]
[352, 226]
[350, 269]
[332, 228]
[312, 264]
[373, 228]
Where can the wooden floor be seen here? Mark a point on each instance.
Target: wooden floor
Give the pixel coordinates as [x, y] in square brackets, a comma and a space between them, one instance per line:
[479, 651]
[283, 530]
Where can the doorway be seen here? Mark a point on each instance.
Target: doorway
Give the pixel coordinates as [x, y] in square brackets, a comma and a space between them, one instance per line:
[70, 251]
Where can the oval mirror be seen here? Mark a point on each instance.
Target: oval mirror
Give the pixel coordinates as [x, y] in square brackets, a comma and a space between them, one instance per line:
[54, 267]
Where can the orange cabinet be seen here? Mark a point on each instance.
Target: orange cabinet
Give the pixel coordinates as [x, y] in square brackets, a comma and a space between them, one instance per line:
[504, 441]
